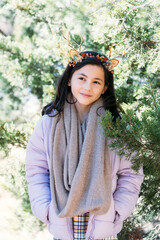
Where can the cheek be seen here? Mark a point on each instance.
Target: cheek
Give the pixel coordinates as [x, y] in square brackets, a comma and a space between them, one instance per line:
[99, 90]
[76, 85]
[74, 88]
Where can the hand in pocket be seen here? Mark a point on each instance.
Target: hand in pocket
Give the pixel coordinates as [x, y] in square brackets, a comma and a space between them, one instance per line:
[117, 216]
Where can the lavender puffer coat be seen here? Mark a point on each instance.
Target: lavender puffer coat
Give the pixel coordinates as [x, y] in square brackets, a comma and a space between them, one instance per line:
[125, 189]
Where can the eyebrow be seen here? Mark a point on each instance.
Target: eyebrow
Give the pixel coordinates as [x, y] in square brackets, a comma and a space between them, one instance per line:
[86, 76]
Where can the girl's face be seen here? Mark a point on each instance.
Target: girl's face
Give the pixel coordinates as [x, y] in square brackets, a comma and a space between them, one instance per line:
[87, 84]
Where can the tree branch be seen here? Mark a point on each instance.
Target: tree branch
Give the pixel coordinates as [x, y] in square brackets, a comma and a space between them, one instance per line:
[152, 91]
[135, 7]
[148, 44]
[3, 33]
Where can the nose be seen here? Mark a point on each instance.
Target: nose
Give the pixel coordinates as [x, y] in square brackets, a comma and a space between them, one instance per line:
[87, 86]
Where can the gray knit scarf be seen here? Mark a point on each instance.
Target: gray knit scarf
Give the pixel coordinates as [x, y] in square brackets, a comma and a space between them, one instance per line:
[80, 169]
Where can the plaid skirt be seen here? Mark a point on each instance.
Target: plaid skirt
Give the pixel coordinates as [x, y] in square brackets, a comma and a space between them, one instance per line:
[80, 224]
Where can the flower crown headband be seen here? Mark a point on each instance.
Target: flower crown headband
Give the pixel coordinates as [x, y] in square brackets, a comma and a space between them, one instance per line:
[78, 56]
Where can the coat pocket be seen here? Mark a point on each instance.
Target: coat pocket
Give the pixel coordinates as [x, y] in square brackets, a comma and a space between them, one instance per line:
[117, 227]
[110, 215]
[103, 229]
[106, 229]
[57, 226]
[53, 217]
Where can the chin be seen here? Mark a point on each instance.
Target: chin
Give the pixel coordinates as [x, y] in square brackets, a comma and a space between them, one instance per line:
[84, 103]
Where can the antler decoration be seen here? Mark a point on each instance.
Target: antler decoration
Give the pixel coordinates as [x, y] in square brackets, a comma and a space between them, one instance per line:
[77, 57]
[73, 51]
[114, 62]
[74, 54]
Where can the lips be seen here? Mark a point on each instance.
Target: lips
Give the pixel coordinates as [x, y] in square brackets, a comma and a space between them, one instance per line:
[85, 95]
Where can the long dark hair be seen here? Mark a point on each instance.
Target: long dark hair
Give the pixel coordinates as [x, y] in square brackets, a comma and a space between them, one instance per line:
[63, 90]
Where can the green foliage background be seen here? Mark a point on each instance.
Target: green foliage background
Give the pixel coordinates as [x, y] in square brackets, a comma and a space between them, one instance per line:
[34, 53]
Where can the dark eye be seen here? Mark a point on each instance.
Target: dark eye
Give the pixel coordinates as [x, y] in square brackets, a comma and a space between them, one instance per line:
[96, 82]
[81, 78]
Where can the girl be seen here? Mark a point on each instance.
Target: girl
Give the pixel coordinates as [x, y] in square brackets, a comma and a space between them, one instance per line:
[77, 185]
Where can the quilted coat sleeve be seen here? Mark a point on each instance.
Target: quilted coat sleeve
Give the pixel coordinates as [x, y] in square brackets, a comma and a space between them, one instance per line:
[127, 190]
[37, 173]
